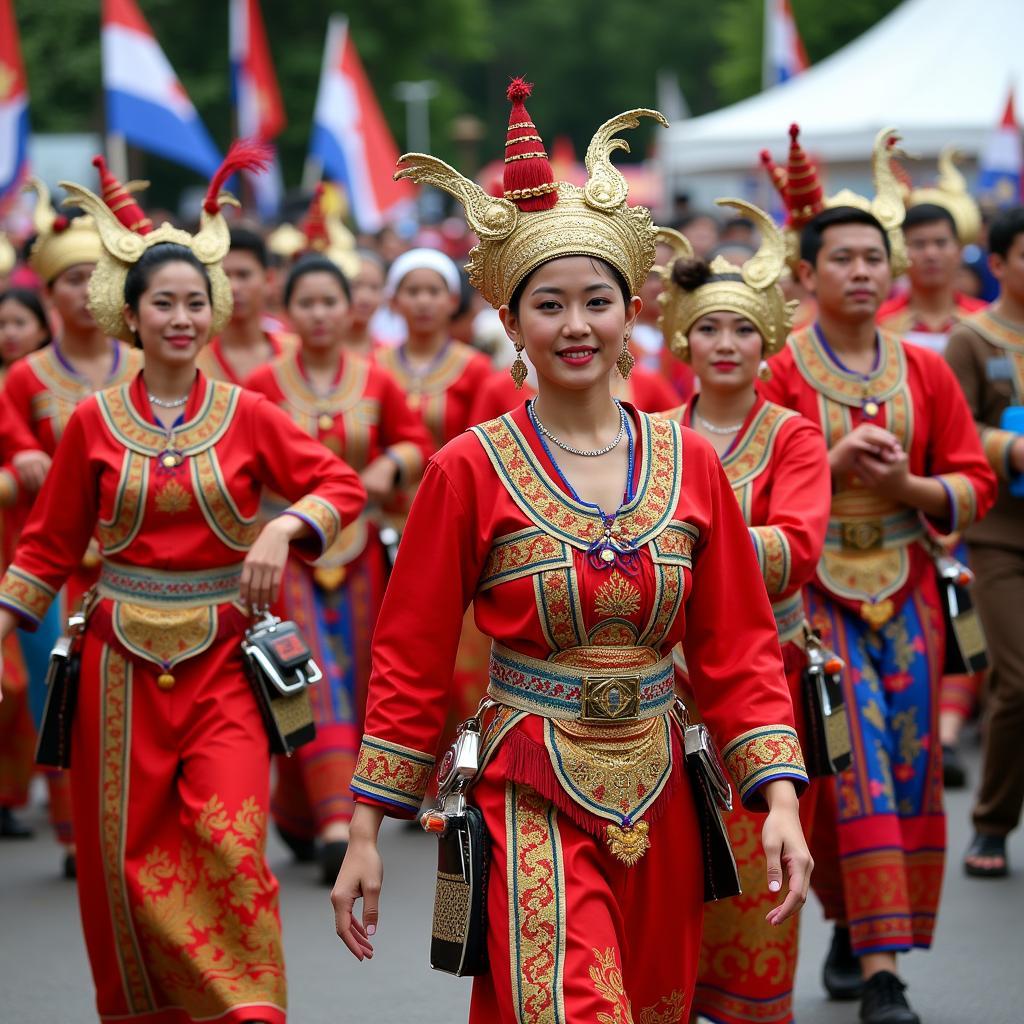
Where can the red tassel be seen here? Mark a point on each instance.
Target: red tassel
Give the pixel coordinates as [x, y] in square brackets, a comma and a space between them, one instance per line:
[244, 155]
[529, 181]
[120, 200]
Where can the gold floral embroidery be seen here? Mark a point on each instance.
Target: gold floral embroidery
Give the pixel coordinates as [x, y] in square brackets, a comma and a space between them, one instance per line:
[305, 406]
[616, 598]
[522, 554]
[115, 756]
[760, 754]
[667, 1010]
[963, 502]
[392, 773]
[162, 635]
[536, 906]
[613, 633]
[844, 387]
[557, 595]
[117, 532]
[866, 577]
[998, 445]
[753, 450]
[321, 516]
[667, 598]
[674, 545]
[409, 457]
[213, 906]
[607, 978]
[26, 594]
[773, 555]
[217, 505]
[172, 499]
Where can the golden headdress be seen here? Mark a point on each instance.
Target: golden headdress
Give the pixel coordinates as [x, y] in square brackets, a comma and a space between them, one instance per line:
[752, 291]
[539, 219]
[799, 184]
[8, 257]
[126, 233]
[951, 194]
[324, 231]
[60, 243]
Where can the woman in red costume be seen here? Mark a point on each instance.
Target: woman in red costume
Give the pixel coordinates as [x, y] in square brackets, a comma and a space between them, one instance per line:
[724, 320]
[355, 409]
[592, 539]
[171, 770]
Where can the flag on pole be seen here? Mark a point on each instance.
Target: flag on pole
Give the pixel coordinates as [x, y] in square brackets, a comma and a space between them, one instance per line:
[1001, 162]
[257, 98]
[13, 107]
[146, 103]
[784, 53]
[351, 140]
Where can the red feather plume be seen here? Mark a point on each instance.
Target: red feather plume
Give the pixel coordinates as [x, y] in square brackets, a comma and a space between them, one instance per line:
[244, 155]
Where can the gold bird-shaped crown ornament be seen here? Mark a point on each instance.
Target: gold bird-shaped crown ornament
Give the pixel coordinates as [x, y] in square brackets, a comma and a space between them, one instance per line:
[951, 194]
[539, 219]
[752, 290]
[803, 195]
[126, 233]
[60, 242]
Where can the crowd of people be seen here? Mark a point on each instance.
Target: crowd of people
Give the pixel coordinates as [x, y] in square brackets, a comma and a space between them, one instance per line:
[603, 493]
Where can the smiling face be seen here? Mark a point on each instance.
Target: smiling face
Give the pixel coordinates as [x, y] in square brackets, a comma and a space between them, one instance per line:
[725, 351]
[851, 276]
[572, 318]
[174, 315]
[317, 309]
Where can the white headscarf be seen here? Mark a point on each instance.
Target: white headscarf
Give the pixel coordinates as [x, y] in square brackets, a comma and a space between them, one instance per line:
[423, 259]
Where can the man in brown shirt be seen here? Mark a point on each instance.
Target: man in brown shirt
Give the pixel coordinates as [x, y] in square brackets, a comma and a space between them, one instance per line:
[986, 352]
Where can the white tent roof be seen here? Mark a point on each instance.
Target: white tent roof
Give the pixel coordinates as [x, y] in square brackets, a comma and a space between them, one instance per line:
[939, 70]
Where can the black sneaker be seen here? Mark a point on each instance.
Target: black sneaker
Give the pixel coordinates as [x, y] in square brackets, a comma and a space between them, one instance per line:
[883, 1001]
[12, 827]
[841, 974]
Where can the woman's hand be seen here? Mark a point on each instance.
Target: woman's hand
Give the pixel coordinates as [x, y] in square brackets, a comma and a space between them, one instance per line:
[867, 439]
[7, 624]
[784, 845]
[379, 478]
[31, 467]
[264, 565]
[361, 877]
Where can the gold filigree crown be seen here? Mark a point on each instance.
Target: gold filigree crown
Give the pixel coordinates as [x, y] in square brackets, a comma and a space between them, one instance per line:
[516, 237]
[751, 291]
[60, 243]
[950, 193]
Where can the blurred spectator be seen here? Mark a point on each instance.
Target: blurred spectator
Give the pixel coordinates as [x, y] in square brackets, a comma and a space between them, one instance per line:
[702, 231]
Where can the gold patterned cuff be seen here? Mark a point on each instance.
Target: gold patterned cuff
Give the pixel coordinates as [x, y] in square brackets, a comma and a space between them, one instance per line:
[25, 595]
[8, 488]
[762, 755]
[392, 774]
[963, 502]
[773, 555]
[998, 445]
[409, 459]
[321, 517]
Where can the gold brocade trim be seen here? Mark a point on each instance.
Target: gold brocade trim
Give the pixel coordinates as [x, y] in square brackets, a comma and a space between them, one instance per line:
[392, 773]
[606, 974]
[1005, 336]
[115, 757]
[302, 400]
[26, 594]
[617, 598]
[347, 547]
[963, 500]
[670, 1009]
[674, 545]
[760, 754]
[614, 772]
[523, 553]
[773, 555]
[213, 906]
[117, 532]
[172, 499]
[323, 517]
[557, 595]
[850, 389]
[204, 430]
[409, 457]
[162, 635]
[536, 906]
[752, 453]
[218, 507]
[866, 577]
[998, 445]
[668, 596]
[544, 502]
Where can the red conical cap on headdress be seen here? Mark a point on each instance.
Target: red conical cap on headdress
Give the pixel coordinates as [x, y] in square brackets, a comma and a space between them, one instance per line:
[805, 198]
[314, 224]
[121, 201]
[529, 182]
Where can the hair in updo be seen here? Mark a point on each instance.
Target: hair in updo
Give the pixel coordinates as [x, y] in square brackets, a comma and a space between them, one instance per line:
[141, 272]
[691, 274]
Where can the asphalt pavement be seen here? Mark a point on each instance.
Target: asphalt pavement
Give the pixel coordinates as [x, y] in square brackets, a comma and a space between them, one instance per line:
[974, 973]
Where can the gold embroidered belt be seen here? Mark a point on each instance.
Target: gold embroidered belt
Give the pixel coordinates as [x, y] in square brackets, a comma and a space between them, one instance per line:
[585, 684]
[873, 533]
[789, 617]
[193, 589]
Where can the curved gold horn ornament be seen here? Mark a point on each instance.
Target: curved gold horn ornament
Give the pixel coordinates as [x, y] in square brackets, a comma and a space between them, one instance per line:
[606, 188]
[951, 193]
[8, 257]
[43, 214]
[765, 267]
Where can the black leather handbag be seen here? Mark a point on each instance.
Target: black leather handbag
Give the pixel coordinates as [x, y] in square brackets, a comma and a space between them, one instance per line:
[281, 668]
[458, 935]
[53, 745]
[828, 750]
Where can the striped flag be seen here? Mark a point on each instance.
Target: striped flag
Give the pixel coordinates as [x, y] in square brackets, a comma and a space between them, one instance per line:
[1001, 161]
[784, 53]
[13, 107]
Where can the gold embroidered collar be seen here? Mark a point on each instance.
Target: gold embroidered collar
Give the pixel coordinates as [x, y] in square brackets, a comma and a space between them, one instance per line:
[547, 505]
[822, 372]
[59, 379]
[437, 380]
[750, 456]
[205, 429]
[997, 331]
[299, 394]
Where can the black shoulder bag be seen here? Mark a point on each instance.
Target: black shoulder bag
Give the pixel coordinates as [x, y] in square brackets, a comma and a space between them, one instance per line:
[53, 745]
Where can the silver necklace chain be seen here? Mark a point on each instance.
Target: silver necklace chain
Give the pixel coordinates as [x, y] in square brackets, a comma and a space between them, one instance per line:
[175, 403]
[580, 451]
[712, 429]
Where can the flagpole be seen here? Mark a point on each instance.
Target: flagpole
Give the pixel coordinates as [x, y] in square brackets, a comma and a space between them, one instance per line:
[117, 155]
[767, 71]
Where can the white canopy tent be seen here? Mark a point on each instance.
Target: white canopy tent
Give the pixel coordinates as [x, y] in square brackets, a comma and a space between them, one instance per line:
[939, 70]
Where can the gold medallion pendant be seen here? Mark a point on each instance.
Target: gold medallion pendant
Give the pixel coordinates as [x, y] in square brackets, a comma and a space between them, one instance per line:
[325, 421]
[628, 843]
[170, 458]
[165, 681]
[871, 408]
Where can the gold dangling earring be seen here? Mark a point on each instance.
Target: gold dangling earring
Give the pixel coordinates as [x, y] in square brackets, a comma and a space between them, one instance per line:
[764, 371]
[518, 369]
[625, 362]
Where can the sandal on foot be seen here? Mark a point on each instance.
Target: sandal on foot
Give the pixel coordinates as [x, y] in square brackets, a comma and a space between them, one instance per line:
[989, 848]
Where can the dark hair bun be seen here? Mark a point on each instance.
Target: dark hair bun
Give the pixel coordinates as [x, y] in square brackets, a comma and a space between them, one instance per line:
[690, 274]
